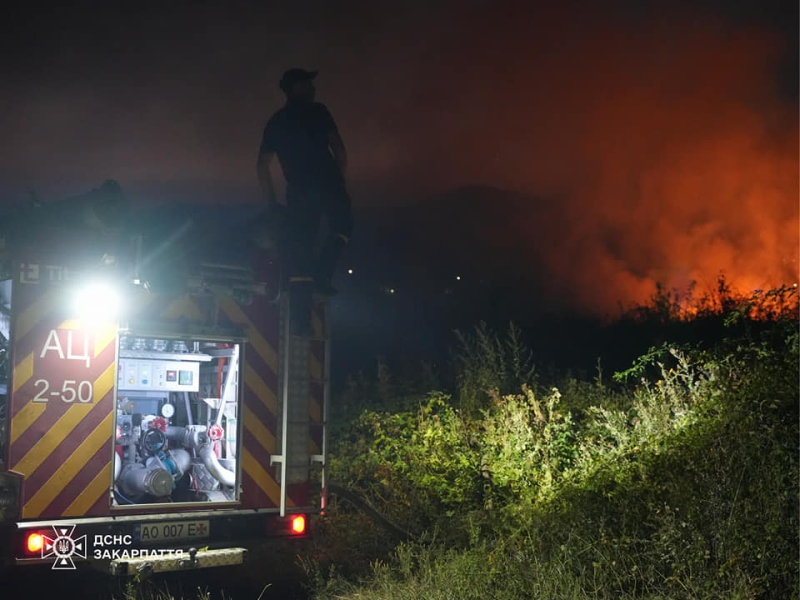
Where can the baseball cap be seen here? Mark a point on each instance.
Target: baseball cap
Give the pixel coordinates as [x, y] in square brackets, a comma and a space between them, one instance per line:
[293, 76]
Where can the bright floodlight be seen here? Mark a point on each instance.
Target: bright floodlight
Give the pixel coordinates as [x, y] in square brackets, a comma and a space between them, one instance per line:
[97, 302]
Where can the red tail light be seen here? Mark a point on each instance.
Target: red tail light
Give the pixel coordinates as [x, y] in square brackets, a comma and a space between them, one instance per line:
[34, 543]
[299, 524]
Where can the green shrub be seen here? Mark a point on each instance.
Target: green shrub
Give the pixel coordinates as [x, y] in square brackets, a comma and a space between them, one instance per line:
[485, 362]
[678, 479]
[419, 466]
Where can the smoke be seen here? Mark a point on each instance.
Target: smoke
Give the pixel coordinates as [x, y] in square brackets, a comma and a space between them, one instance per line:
[664, 137]
[659, 130]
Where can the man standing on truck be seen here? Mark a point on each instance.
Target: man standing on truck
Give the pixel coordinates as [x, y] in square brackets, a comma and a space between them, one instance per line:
[304, 137]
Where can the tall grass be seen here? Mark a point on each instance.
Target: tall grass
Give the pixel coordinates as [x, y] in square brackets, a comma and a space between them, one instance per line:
[677, 478]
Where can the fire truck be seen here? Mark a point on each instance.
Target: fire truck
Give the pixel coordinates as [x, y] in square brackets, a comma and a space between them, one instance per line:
[159, 408]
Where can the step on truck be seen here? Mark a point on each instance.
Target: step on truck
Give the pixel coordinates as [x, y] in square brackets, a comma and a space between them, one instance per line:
[157, 410]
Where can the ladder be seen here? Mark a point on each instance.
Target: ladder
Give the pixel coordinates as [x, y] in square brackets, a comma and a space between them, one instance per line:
[295, 458]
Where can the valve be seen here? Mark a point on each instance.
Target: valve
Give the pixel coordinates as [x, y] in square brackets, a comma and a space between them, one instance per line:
[215, 432]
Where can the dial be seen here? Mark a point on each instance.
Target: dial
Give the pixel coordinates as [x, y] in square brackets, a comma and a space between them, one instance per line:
[167, 410]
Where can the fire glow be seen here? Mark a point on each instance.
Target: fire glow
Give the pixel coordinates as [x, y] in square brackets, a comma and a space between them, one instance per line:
[670, 152]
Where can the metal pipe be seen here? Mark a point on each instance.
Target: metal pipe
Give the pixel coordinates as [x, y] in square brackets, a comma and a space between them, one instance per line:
[131, 458]
[176, 433]
[139, 479]
[182, 459]
[230, 379]
[326, 399]
[223, 475]
[286, 348]
[117, 466]
[188, 408]
[230, 439]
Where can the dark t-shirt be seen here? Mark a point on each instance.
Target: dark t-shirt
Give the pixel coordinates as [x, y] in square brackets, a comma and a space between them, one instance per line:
[298, 134]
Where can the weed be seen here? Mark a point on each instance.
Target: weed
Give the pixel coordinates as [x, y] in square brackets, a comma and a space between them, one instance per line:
[677, 478]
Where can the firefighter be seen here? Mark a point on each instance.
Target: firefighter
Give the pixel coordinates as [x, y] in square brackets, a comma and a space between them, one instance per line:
[305, 138]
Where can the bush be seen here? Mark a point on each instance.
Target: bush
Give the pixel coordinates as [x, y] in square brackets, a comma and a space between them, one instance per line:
[678, 479]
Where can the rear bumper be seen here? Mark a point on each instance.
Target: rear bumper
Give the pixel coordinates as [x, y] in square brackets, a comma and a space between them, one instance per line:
[118, 540]
[203, 559]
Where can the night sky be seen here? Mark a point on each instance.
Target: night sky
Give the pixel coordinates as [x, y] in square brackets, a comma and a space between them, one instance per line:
[659, 138]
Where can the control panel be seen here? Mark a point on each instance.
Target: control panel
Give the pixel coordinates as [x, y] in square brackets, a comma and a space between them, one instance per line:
[136, 374]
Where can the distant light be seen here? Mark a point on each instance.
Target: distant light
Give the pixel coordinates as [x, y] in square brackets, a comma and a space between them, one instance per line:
[350, 271]
[391, 291]
[458, 277]
[795, 285]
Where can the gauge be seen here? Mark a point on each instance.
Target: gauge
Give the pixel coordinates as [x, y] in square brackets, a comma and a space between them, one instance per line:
[167, 410]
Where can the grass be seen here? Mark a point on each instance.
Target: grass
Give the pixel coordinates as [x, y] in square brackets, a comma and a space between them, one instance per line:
[138, 589]
[677, 478]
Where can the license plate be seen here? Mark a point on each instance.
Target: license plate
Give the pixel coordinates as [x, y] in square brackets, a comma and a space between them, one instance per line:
[174, 530]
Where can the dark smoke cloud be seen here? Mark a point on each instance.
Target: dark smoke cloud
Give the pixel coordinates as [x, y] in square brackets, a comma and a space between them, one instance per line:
[659, 129]
[674, 160]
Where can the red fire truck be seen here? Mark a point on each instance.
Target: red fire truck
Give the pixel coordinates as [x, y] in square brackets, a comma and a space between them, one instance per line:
[157, 410]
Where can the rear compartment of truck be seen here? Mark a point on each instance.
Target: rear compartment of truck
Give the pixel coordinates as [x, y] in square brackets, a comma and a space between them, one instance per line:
[167, 429]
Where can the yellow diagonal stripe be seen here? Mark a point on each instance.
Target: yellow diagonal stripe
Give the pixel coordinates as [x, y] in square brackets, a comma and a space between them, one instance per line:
[316, 368]
[70, 468]
[259, 431]
[183, 307]
[262, 479]
[25, 418]
[104, 383]
[86, 499]
[63, 427]
[43, 305]
[103, 338]
[267, 396]
[256, 340]
[23, 371]
[52, 438]
[314, 410]
[73, 324]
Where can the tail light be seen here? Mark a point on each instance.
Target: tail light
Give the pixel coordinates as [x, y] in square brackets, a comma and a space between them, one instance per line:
[298, 525]
[34, 543]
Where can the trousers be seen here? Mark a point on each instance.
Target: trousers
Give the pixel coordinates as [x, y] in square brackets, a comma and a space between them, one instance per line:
[306, 206]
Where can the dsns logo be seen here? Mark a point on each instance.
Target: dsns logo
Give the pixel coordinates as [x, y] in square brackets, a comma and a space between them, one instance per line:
[63, 546]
